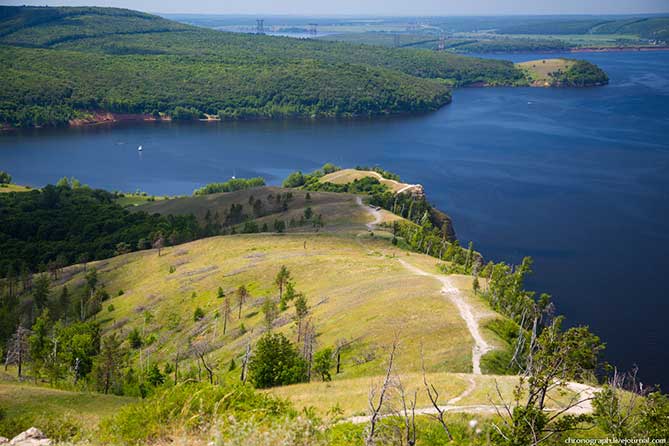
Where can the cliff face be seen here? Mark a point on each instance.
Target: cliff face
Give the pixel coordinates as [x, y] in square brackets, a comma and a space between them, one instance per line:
[441, 220]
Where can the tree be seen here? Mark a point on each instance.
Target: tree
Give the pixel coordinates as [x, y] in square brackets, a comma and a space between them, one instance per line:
[301, 311]
[200, 350]
[242, 294]
[308, 213]
[109, 363]
[64, 300]
[227, 309]
[376, 404]
[18, 349]
[323, 363]
[135, 338]
[220, 293]
[279, 226]
[154, 376]
[270, 311]
[276, 362]
[39, 343]
[281, 279]
[555, 358]
[198, 314]
[295, 179]
[159, 242]
[41, 291]
[5, 178]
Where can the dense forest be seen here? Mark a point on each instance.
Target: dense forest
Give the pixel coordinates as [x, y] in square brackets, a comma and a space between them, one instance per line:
[65, 63]
[59, 225]
[581, 74]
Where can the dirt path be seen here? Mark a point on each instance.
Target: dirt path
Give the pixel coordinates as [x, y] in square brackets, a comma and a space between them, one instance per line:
[467, 312]
[376, 214]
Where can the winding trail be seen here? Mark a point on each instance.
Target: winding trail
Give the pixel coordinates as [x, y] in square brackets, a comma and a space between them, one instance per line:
[467, 312]
[584, 393]
[376, 214]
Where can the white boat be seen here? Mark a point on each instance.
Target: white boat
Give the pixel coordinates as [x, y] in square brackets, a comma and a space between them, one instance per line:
[139, 149]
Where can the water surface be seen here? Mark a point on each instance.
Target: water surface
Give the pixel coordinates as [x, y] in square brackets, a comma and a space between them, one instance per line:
[576, 178]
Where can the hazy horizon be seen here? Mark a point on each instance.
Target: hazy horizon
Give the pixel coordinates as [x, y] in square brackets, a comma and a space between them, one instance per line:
[377, 8]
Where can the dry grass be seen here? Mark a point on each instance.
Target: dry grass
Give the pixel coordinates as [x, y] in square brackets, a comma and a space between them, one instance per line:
[6, 188]
[339, 211]
[351, 395]
[346, 176]
[539, 70]
[357, 291]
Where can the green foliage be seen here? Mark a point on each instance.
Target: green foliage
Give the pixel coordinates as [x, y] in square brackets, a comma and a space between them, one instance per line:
[323, 363]
[276, 362]
[135, 338]
[154, 376]
[384, 173]
[63, 63]
[198, 314]
[190, 406]
[232, 185]
[295, 179]
[5, 178]
[582, 74]
[39, 227]
[654, 417]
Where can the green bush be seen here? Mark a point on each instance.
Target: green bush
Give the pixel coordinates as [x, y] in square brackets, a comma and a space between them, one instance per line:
[276, 362]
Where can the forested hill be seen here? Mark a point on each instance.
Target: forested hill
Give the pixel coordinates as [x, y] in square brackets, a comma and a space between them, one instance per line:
[60, 64]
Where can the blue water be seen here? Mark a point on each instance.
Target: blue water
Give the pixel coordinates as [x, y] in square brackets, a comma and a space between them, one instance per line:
[576, 178]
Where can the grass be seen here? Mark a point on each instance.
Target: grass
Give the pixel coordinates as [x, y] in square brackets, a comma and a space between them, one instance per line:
[53, 410]
[6, 188]
[339, 211]
[539, 70]
[357, 291]
[350, 396]
[346, 176]
[129, 200]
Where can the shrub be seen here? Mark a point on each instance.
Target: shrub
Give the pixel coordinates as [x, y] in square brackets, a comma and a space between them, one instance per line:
[198, 314]
[276, 362]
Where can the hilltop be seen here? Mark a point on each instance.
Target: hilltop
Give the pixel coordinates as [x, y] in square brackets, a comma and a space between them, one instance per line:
[563, 73]
[79, 65]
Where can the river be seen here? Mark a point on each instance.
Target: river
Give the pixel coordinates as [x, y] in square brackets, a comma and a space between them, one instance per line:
[576, 178]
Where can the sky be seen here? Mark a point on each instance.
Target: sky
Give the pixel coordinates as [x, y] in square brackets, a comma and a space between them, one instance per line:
[373, 7]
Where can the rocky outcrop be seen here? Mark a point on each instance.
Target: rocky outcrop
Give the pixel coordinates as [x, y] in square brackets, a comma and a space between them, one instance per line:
[31, 437]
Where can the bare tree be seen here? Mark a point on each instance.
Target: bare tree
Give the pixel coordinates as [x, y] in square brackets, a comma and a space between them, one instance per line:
[242, 294]
[201, 349]
[227, 309]
[408, 413]
[433, 394]
[245, 363]
[376, 403]
[177, 357]
[18, 349]
[616, 415]
[159, 243]
[308, 346]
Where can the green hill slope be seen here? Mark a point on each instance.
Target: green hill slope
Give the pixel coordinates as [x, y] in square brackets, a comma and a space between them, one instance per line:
[65, 63]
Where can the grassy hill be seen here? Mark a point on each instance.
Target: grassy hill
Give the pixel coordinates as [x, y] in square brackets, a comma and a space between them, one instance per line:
[563, 73]
[356, 288]
[339, 211]
[61, 64]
